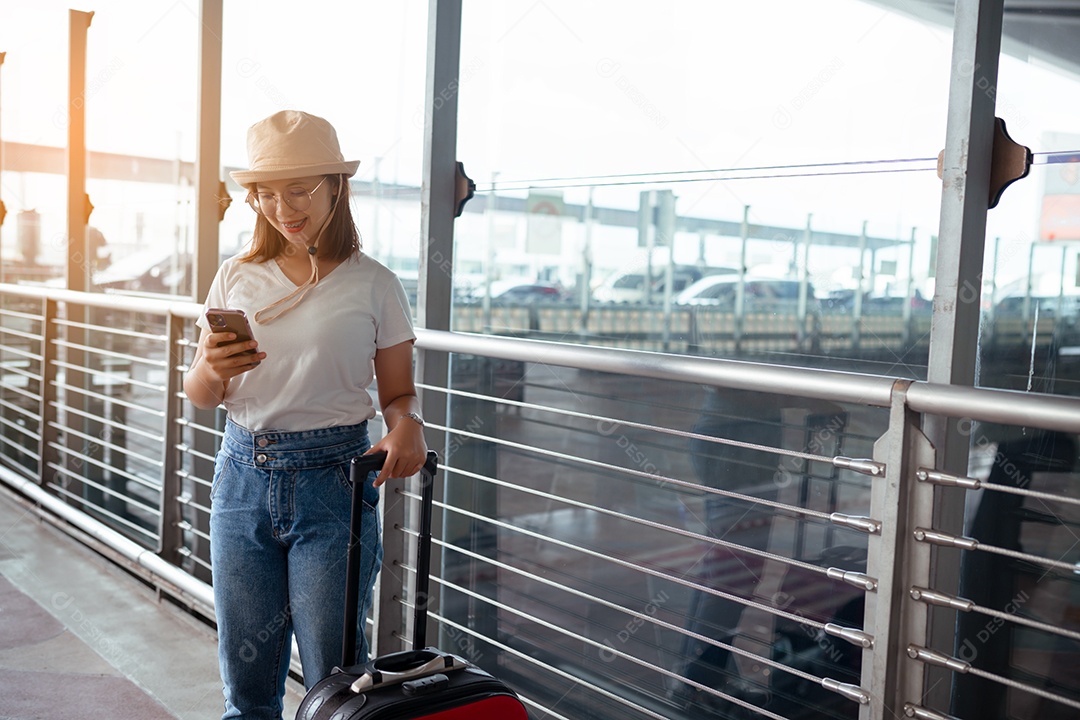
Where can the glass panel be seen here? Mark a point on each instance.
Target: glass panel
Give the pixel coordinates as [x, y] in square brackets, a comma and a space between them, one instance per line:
[1028, 504]
[1029, 340]
[626, 163]
[360, 66]
[140, 153]
[619, 537]
[637, 169]
[1031, 294]
[34, 38]
[142, 228]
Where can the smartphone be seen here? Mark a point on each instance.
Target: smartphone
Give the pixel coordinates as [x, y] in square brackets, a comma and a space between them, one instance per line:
[234, 321]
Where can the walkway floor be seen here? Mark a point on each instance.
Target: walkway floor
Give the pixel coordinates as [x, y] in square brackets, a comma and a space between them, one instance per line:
[80, 638]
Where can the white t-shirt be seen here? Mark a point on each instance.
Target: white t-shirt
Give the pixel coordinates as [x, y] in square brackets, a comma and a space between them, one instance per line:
[319, 355]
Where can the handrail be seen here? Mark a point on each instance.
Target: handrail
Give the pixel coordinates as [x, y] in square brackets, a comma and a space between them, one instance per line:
[131, 303]
[1009, 407]
[871, 390]
[977, 404]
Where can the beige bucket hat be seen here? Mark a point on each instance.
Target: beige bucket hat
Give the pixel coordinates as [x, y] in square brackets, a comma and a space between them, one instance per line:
[292, 144]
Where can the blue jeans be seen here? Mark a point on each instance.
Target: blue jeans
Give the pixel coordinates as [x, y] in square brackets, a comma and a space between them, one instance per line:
[279, 531]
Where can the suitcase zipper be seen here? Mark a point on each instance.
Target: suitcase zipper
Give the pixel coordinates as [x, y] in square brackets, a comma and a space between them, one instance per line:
[445, 700]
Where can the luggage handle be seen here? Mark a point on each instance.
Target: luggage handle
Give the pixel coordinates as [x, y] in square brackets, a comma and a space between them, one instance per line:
[359, 468]
[402, 666]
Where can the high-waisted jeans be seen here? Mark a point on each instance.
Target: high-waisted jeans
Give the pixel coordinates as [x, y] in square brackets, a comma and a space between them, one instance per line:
[279, 531]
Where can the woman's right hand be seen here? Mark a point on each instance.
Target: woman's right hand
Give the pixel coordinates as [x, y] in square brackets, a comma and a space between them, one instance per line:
[217, 360]
[225, 359]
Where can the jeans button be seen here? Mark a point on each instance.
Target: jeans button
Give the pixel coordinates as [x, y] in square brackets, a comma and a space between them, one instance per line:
[262, 442]
[260, 458]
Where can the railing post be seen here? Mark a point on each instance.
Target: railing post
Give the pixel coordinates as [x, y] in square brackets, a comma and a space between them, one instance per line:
[435, 282]
[909, 299]
[50, 435]
[857, 301]
[804, 275]
[209, 189]
[954, 333]
[170, 535]
[897, 562]
[740, 287]
[77, 268]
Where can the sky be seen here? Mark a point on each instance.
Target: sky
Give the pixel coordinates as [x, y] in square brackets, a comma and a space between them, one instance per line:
[557, 89]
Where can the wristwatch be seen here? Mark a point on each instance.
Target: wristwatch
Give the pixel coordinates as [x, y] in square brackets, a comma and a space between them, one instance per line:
[415, 417]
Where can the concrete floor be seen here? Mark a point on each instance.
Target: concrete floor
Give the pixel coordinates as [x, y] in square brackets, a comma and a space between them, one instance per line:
[81, 638]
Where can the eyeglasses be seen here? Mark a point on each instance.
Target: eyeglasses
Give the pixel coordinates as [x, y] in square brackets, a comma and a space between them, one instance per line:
[296, 197]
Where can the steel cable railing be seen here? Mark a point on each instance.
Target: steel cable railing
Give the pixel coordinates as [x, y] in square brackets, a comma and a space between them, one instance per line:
[842, 689]
[933, 657]
[70, 451]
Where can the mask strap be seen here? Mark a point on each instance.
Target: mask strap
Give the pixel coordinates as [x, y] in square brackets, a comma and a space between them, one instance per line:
[302, 290]
[312, 280]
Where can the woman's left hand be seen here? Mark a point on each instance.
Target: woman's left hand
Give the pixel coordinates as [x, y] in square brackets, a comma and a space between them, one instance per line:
[405, 448]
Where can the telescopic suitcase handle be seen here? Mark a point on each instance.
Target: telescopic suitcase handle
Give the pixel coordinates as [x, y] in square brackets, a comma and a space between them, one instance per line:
[359, 468]
[404, 666]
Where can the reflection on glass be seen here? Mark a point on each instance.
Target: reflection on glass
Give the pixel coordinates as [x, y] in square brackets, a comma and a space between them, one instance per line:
[1039, 587]
[626, 521]
[626, 174]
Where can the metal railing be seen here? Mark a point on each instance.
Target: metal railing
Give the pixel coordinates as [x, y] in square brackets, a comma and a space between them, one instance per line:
[616, 536]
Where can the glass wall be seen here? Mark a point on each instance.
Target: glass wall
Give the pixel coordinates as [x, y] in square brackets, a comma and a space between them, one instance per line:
[702, 180]
[139, 102]
[654, 150]
[1031, 632]
[604, 549]
[1031, 288]
[363, 71]
[360, 66]
[753, 180]
[1028, 341]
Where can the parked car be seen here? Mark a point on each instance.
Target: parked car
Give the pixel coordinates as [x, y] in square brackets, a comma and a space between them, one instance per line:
[760, 293]
[517, 292]
[1013, 306]
[843, 301]
[514, 293]
[629, 286]
[147, 271]
[157, 271]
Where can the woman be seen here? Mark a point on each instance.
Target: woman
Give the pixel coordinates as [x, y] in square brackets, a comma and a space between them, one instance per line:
[327, 320]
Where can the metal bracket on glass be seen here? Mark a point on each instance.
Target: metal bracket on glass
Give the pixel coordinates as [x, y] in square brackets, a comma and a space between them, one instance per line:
[464, 189]
[224, 200]
[1010, 162]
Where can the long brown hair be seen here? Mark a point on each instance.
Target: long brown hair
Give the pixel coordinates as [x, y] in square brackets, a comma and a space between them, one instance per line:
[340, 240]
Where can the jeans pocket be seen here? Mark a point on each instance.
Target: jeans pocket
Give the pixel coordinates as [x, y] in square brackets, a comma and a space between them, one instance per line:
[341, 471]
[371, 494]
[222, 466]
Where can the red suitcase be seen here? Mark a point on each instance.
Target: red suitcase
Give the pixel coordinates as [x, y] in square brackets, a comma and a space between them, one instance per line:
[426, 684]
